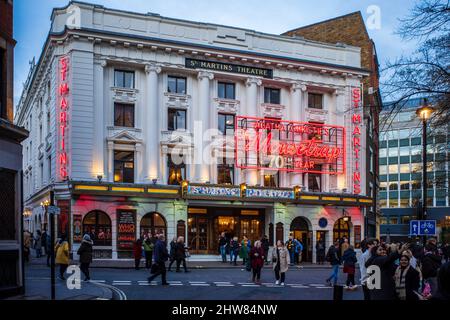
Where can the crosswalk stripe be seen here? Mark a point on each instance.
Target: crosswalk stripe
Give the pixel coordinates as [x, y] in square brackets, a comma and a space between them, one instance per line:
[224, 282]
[175, 284]
[250, 285]
[200, 284]
[225, 285]
[197, 281]
[300, 287]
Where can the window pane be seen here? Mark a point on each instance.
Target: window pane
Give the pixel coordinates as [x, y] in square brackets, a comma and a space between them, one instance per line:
[181, 119]
[382, 152]
[221, 123]
[403, 133]
[230, 91]
[118, 78]
[221, 90]
[225, 174]
[383, 169]
[266, 95]
[404, 168]
[275, 96]
[181, 85]
[404, 151]
[118, 114]
[393, 168]
[171, 84]
[393, 152]
[128, 116]
[129, 80]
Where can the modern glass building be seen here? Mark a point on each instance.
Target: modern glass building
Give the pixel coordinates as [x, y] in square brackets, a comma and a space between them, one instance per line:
[401, 171]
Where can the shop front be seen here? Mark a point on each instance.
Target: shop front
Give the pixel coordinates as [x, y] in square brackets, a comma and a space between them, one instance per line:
[205, 225]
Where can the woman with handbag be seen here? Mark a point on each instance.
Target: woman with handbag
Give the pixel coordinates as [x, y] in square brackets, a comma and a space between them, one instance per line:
[257, 257]
[349, 259]
[280, 260]
[62, 256]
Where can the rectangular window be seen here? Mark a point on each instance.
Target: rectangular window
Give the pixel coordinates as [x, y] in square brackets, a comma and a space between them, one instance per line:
[393, 168]
[123, 115]
[226, 90]
[41, 173]
[40, 133]
[403, 133]
[315, 100]
[404, 186]
[393, 203]
[48, 122]
[382, 153]
[383, 220]
[271, 180]
[272, 95]
[371, 159]
[314, 180]
[176, 85]
[225, 173]
[176, 119]
[177, 170]
[383, 169]
[124, 79]
[49, 168]
[393, 220]
[383, 186]
[404, 168]
[393, 152]
[124, 166]
[226, 124]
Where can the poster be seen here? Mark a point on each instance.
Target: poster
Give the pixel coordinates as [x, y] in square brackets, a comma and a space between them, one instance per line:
[77, 229]
[126, 230]
[357, 237]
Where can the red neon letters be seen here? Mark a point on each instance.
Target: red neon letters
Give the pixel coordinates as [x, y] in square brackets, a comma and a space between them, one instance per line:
[63, 93]
[356, 138]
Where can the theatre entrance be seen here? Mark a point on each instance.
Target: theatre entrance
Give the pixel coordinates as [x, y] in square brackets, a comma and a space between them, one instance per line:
[206, 224]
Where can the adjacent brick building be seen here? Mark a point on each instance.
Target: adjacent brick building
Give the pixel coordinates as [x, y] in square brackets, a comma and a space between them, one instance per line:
[350, 29]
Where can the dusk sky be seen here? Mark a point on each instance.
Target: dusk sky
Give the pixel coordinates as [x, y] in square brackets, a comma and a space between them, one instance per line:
[32, 20]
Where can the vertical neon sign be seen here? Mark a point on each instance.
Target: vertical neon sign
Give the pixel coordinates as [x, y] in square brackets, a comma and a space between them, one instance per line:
[356, 139]
[62, 120]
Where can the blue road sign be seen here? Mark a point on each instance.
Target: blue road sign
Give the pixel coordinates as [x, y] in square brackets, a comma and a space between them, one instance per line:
[427, 228]
[414, 227]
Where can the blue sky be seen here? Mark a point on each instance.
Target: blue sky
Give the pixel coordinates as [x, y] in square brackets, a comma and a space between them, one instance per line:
[32, 20]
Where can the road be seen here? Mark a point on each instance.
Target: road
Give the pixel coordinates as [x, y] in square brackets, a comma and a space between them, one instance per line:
[213, 284]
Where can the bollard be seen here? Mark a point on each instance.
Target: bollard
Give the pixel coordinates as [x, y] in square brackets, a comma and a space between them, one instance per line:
[338, 292]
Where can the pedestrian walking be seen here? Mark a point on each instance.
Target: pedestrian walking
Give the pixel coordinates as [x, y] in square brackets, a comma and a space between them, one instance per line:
[369, 244]
[443, 280]
[48, 248]
[234, 250]
[44, 243]
[85, 253]
[265, 245]
[223, 246]
[281, 261]
[160, 256]
[384, 257]
[137, 253]
[431, 262]
[148, 249]
[344, 246]
[26, 245]
[38, 244]
[298, 249]
[62, 256]
[290, 246]
[257, 257]
[180, 254]
[172, 257]
[407, 280]
[333, 258]
[243, 251]
[349, 260]
[320, 251]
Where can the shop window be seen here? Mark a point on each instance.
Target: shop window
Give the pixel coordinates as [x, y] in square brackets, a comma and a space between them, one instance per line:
[153, 223]
[176, 85]
[124, 79]
[226, 124]
[272, 95]
[176, 119]
[226, 90]
[393, 220]
[177, 170]
[123, 115]
[315, 101]
[225, 174]
[124, 166]
[98, 225]
[271, 180]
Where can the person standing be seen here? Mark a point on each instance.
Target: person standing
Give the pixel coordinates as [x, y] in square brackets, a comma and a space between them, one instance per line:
[85, 253]
[180, 254]
[172, 245]
[446, 252]
[62, 256]
[26, 245]
[223, 246]
[265, 245]
[369, 244]
[407, 280]
[48, 248]
[281, 261]
[137, 253]
[333, 258]
[431, 262]
[298, 251]
[344, 247]
[290, 246]
[160, 256]
[234, 250]
[38, 244]
[148, 249]
[320, 251]
[349, 259]
[243, 252]
[44, 243]
[257, 257]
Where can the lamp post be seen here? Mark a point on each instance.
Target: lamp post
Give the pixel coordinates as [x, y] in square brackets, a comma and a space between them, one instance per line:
[424, 113]
[45, 206]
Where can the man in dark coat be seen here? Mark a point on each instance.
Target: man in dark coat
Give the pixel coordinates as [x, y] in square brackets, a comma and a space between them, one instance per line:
[334, 259]
[180, 254]
[160, 256]
[85, 253]
[431, 262]
[265, 245]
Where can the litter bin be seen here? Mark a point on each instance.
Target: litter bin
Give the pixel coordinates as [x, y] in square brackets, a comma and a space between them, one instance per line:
[338, 292]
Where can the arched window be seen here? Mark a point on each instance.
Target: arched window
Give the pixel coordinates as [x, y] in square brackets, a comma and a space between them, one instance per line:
[98, 225]
[341, 229]
[153, 223]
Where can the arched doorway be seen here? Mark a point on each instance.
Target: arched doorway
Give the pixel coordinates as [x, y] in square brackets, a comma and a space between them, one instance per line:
[153, 223]
[300, 230]
[98, 225]
[341, 229]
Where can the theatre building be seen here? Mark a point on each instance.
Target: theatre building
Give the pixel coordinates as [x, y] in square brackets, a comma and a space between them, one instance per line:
[143, 124]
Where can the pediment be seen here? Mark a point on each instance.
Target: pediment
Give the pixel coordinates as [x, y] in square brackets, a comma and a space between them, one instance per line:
[124, 136]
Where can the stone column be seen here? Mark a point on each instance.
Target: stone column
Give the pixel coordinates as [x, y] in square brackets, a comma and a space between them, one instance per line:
[139, 163]
[201, 125]
[110, 161]
[252, 84]
[151, 126]
[99, 140]
[296, 111]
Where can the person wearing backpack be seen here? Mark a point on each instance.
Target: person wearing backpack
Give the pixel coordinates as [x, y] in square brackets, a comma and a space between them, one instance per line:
[320, 251]
[333, 258]
[349, 259]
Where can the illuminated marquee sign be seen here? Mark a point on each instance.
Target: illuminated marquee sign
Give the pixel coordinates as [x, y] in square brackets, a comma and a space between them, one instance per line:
[356, 139]
[264, 143]
[62, 116]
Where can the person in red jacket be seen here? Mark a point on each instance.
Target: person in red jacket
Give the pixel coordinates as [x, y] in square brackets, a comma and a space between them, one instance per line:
[137, 252]
[257, 257]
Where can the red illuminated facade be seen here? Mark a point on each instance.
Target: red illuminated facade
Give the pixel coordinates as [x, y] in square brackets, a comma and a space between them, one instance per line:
[63, 106]
[356, 139]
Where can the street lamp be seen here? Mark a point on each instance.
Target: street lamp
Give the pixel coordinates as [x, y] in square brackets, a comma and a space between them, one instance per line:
[424, 113]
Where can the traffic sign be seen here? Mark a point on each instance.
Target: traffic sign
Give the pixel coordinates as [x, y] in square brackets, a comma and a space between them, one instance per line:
[53, 209]
[422, 227]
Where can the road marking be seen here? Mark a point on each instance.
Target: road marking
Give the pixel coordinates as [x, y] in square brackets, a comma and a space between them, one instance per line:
[174, 281]
[200, 284]
[225, 285]
[175, 284]
[197, 281]
[299, 287]
[250, 285]
[324, 287]
[122, 284]
[121, 281]
[224, 282]
[98, 281]
[317, 285]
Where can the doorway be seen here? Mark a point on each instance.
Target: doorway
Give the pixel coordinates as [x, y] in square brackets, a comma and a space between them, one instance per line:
[198, 234]
[341, 229]
[300, 231]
